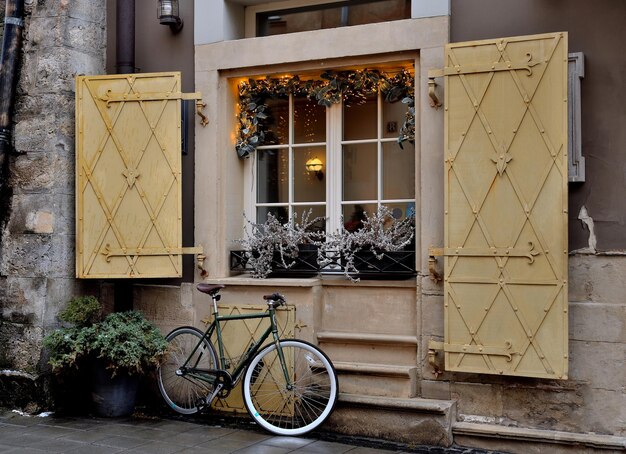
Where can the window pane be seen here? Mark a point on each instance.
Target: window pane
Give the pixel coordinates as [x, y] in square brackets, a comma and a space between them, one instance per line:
[360, 171]
[354, 215]
[278, 121]
[317, 211]
[316, 17]
[309, 185]
[309, 122]
[394, 114]
[359, 120]
[280, 213]
[398, 171]
[272, 176]
[402, 209]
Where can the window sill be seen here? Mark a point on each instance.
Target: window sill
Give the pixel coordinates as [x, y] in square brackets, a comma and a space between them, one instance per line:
[324, 281]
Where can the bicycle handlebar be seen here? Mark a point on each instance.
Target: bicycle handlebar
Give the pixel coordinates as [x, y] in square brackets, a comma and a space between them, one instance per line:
[276, 298]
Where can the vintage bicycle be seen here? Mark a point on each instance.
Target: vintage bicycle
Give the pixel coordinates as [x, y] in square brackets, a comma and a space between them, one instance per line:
[289, 386]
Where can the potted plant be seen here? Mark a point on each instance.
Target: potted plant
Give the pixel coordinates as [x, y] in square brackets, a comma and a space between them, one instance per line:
[273, 247]
[377, 246]
[116, 350]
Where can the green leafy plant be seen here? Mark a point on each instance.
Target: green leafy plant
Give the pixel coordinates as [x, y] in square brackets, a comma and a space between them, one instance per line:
[125, 341]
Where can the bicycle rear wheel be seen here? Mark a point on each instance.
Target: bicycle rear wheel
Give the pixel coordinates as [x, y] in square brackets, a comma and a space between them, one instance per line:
[185, 392]
[290, 408]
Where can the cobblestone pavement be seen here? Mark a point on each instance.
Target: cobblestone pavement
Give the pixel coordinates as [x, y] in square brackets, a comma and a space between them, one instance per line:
[50, 434]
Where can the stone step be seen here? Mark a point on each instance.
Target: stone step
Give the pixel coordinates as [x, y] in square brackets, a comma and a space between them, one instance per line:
[369, 348]
[415, 420]
[376, 379]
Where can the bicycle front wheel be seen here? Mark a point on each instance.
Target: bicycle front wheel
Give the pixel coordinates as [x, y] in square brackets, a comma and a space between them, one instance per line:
[184, 392]
[295, 404]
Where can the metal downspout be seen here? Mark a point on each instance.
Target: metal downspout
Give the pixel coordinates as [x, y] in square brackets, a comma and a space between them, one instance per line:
[9, 62]
[125, 36]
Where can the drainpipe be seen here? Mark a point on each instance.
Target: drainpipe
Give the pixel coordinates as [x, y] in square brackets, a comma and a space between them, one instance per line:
[9, 62]
[125, 37]
[124, 64]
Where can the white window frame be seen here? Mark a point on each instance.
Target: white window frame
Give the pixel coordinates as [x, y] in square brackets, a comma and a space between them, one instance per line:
[333, 170]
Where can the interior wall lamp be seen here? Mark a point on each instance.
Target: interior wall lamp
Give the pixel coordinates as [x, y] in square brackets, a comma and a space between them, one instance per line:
[315, 165]
[167, 12]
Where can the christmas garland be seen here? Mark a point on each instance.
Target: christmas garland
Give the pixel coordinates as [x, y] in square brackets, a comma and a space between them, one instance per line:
[331, 88]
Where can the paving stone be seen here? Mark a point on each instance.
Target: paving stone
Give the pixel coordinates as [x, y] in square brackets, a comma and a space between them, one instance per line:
[57, 445]
[263, 449]
[288, 442]
[120, 442]
[324, 447]
[157, 447]
[94, 449]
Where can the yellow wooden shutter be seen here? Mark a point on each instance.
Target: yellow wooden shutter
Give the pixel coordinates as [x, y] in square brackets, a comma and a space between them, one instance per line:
[506, 206]
[128, 176]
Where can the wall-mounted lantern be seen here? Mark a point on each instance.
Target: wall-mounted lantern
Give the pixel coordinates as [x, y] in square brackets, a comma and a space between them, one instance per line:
[315, 165]
[167, 12]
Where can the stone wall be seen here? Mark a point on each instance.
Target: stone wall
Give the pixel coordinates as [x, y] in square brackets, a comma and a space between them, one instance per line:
[62, 39]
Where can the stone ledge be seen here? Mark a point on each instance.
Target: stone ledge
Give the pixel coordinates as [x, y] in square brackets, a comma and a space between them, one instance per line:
[415, 421]
[538, 435]
[440, 407]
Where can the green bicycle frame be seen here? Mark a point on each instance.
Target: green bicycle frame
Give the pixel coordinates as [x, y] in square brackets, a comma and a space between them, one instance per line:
[215, 326]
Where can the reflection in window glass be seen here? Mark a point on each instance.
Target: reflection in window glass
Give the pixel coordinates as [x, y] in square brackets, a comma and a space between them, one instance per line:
[398, 171]
[272, 176]
[331, 15]
[359, 171]
[309, 121]
[359, 120]
[394, 114]
[354, 215]
[309, 184]
[277, 121]
[280, 213]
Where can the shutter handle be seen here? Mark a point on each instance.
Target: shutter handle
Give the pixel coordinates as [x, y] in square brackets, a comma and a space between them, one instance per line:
[434, 100]
[199, 106]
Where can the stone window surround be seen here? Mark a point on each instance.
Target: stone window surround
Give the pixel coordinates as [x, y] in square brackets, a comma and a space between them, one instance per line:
[220, 174]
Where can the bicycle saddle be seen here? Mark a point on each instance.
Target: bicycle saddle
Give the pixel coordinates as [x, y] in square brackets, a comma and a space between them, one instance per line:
[211, 289]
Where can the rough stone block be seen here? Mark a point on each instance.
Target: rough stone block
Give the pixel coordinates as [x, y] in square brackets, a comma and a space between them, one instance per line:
[597, 322]
[27, 255]
[24, 209]
[23, 300]
[605, 410]
[37, 255]
[480, 399]
[21, 347]
[545, 405]
[45, 32]
[36, 172]
[432, 315]
[163, 306]
[435, 389]
[88, 10]
[56, 70]
[396, 420]
[597, 278]
[599, 364]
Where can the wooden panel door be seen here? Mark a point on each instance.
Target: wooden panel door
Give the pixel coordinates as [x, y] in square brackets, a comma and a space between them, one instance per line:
[506, 206]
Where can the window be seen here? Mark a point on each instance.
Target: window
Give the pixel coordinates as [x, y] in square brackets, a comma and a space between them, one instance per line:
[338, 161]
[330, 15]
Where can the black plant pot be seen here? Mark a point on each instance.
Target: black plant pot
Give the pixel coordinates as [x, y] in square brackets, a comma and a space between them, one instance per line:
[392, 265]
[304, 265]
[112, 396]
